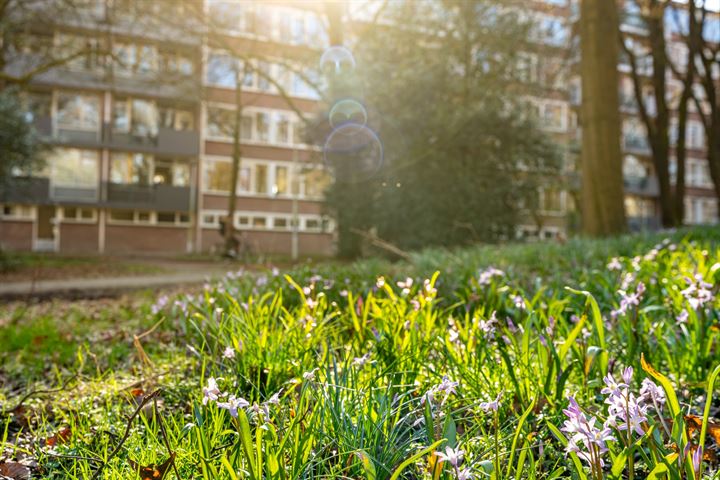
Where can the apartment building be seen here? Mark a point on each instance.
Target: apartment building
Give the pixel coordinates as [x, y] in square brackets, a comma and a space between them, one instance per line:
[142, 126]
[139, 122]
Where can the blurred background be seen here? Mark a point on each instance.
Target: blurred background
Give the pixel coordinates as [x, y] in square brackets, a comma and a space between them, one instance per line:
[301, 129]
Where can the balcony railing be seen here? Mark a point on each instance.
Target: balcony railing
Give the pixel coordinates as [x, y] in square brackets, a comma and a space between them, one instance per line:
[160, 197]
[639, 224]
[166, 141]
[646, 186]
[25, 190]
[635, 143]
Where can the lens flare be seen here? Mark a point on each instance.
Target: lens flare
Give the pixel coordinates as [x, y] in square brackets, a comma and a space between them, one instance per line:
[347, 111]
[353, 152]
[336, 60]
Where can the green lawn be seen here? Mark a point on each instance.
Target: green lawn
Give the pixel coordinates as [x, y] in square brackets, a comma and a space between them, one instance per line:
[492, 362]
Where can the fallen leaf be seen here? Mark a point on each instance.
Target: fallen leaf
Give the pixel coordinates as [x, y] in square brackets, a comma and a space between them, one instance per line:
[14, 470]
[62, 436]
[152, 472]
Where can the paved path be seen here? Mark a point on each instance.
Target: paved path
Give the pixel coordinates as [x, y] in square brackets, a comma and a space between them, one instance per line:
[93, 287]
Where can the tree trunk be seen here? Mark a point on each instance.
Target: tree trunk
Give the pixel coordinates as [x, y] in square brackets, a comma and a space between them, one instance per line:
[659, 134]
[231, 242]
[602, 199]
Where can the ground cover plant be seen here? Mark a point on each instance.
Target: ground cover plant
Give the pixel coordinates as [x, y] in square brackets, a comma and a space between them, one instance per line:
[587, 360]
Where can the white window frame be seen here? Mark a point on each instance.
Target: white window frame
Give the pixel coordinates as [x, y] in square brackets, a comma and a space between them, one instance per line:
[29, 212]
[78, 217]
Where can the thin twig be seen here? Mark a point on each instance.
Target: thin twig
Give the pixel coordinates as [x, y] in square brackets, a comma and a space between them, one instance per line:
[38, 392]
[165, 439]
[144, 402]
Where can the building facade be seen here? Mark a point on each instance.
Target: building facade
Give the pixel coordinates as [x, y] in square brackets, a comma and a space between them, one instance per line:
[138, 123]
[142, 128]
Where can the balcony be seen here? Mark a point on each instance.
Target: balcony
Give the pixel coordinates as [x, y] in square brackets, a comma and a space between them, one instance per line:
[640, 224]
[645, 186]
[636, 144]
[160, 197]
[26, 190]
[167, 141]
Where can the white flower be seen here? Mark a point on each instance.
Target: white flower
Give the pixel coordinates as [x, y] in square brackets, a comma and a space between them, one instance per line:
[233, 404]
[452, 456]
[465, 474]
[361, 361]
[229, 353]
[275, 399]
[310, 376]
[211, 392]
[406, 285]
[491, 406]
[614, 264]
[380, 282]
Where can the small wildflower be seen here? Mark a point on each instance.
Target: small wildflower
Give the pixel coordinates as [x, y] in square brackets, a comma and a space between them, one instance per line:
[491, 406]
[229, 353]
[211, 392]
[614, 264]
[451, 456]
[233, 404]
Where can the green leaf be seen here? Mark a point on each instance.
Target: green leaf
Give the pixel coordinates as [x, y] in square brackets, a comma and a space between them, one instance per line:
[367, 464]
[576, 461]
[570, 340]
[706, 412]
[450, 432]
[398, 471]
[599, 325]
[518, 432]
[247, 443]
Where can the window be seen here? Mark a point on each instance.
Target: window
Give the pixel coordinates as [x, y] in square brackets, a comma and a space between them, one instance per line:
[282, 132]
[211, 220]
[78, 112]
[244, 179]
[262, 126]
[75, 168]
[222, 70]
[78, 214]
[220, 122]
[121, 115]
[164, 217]
[39, 104]
[84, 52]
[281, 181]
[17, 212]
[553, 116]
[261, 179]
[144, 120]
[216, 175]
[131, 168]
[246, 127]
[312, 224]
[122, 215]
[241, 220]
[171, 172]
[175, 119]
[551, 200]
[259, 222]
[316, 181]
[280, 223]
[695, 135]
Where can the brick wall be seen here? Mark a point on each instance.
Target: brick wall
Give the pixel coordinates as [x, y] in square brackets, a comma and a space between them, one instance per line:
[78, 238]
[320, 244]
[145, 239]
[16, 235]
